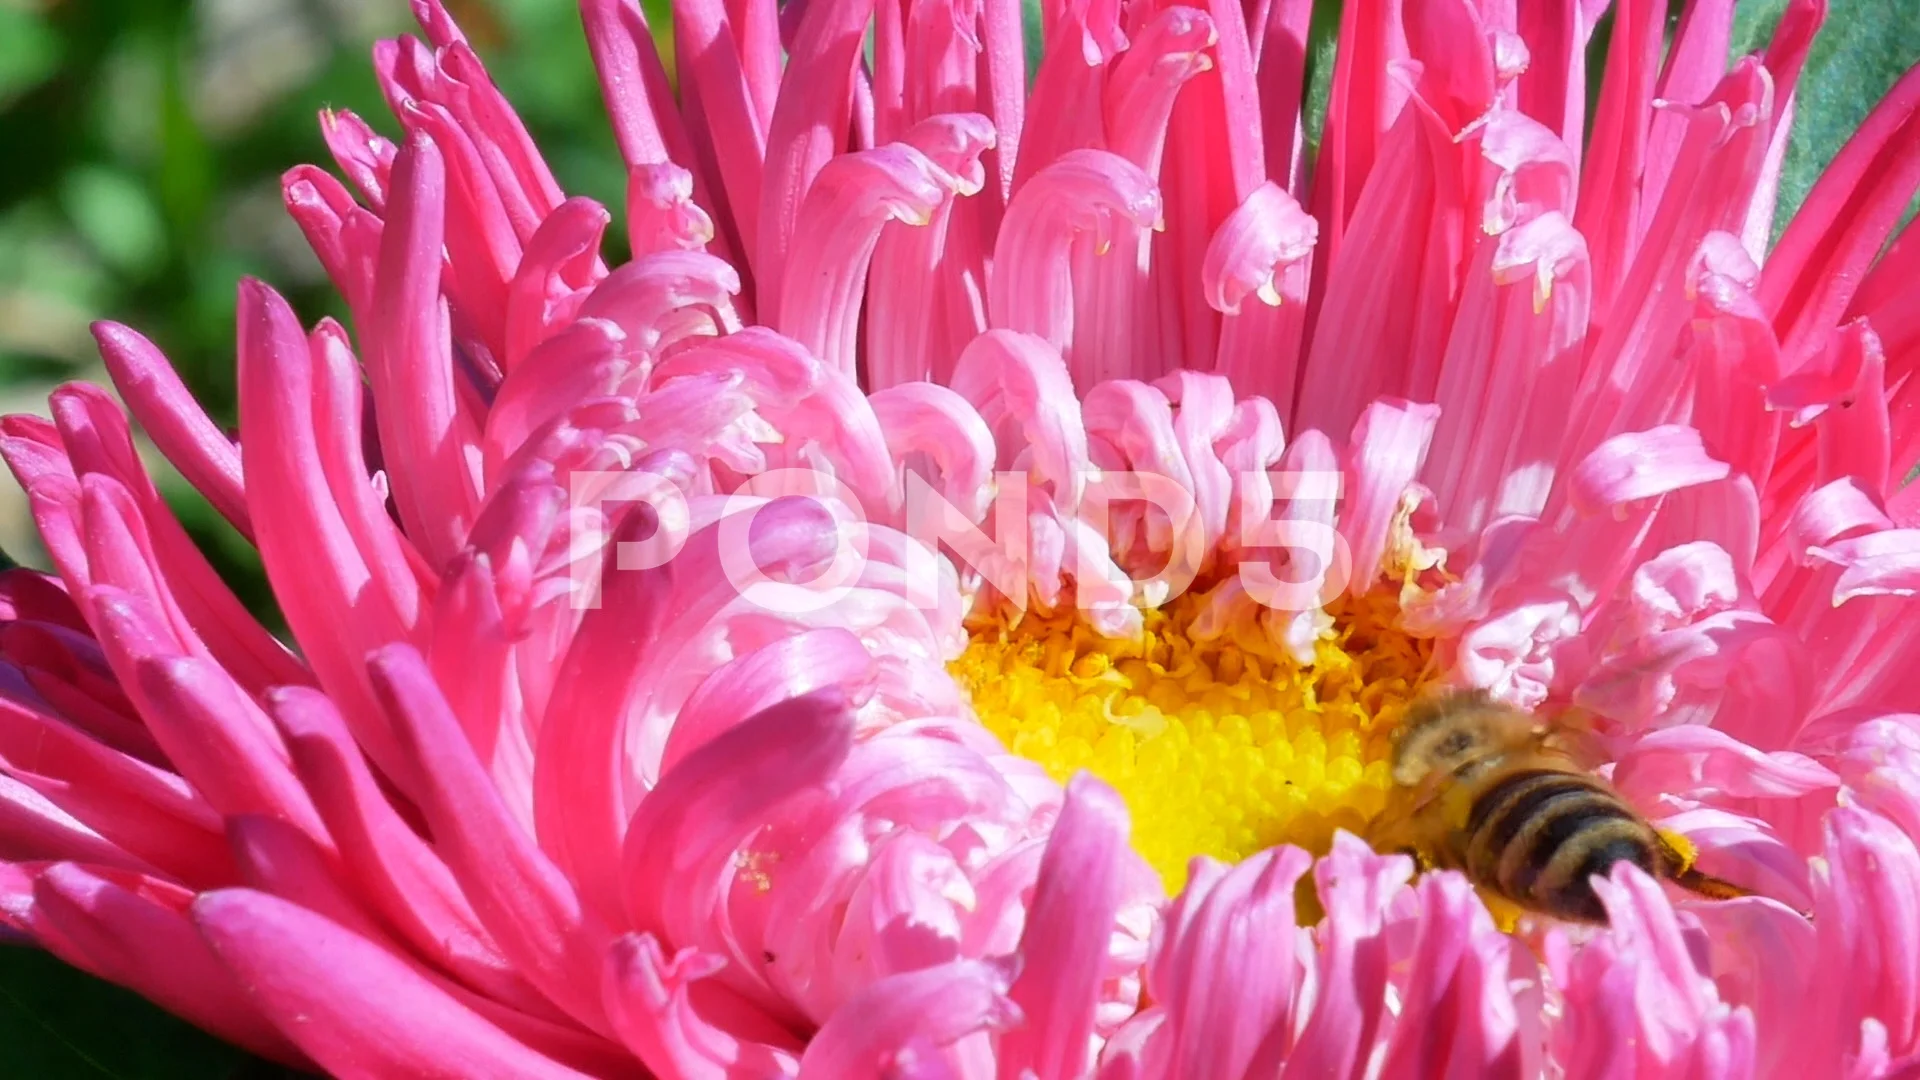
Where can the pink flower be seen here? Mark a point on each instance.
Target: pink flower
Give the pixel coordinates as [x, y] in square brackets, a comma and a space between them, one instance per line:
[1515, 399]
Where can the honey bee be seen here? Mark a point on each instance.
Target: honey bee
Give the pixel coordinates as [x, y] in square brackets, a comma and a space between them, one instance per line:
[1501, 795]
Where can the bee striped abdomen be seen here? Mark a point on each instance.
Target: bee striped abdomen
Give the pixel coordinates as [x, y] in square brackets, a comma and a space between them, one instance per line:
[1539, 836]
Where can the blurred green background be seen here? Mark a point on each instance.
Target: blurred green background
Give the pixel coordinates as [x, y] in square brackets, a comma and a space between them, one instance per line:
[141, 145]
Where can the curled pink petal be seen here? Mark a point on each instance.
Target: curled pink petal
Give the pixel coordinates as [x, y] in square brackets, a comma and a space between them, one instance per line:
[649, 999]
[661, 212]
[1389, 445]
[1260, 239]
[1691, 758]
[1085, 192]
[931, 419]
[901, 1025]
[1877, 564]
[1019, 379]
[561, 263]
[713, 803]
[839, 225]
[1642, 465]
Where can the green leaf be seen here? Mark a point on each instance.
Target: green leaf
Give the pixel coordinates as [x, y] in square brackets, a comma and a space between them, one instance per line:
[1864, 48]
[58, 1022]
[29, 52]
[1032, 23]
[1323, 33]
[115, 213]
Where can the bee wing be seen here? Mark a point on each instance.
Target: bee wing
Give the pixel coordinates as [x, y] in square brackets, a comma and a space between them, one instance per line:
[1576, 734]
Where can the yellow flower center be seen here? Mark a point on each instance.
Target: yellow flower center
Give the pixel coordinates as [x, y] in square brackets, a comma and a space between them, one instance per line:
[1221, 742]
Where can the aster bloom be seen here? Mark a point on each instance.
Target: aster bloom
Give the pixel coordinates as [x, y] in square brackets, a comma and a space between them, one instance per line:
[593, 753]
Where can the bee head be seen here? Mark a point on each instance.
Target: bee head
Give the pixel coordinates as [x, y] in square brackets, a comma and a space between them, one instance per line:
[1446, 730]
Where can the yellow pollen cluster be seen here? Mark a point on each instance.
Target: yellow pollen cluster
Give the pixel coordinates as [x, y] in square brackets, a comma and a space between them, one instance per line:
[1221, 747]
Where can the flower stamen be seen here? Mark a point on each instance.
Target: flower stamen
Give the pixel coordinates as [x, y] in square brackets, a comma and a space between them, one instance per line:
[1220, 741]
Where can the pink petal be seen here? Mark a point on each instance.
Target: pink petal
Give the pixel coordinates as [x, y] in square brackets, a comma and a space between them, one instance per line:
[527, 187]
[1020, 382]
[1268, 233]
[581, 362]
[925, 418]
[1262, 248]
[788, 668]
[318, 565]
[1673, 1012]
[1750, 852]
[1379, 326]
[1553, 89]
[685, 834]
[1458, 1012]
[896, 1025]
[522, 899]
[662, 214]
[34, 829]
[396, 871]
[481, 245]
[96, 436]
[1515, 350]
[174, 421]
[1696, 60]
[223, 743]
[1877, 564]
[279, 861]
[1609, 212]
[1084, 192]
[72, 790]
[1879, 760]
[365, 156]
[355, 1008]
[639, 97]
[211, 730]
[1389, 445]
[1064, 946]
[1691, 758]
[135, 932]
[839, 224]
[808, 123]
[68, 674]
[1624, 387]
[1225, 973]
[657, 299]
[560, 265]
[1355, 886]
[1843, 223]
[1642, 465]
[648, 997]
[434, 484]
[1363, 101]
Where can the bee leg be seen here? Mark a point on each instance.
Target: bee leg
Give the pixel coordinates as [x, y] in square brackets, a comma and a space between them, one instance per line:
[1506, 914]
[1678, 854]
